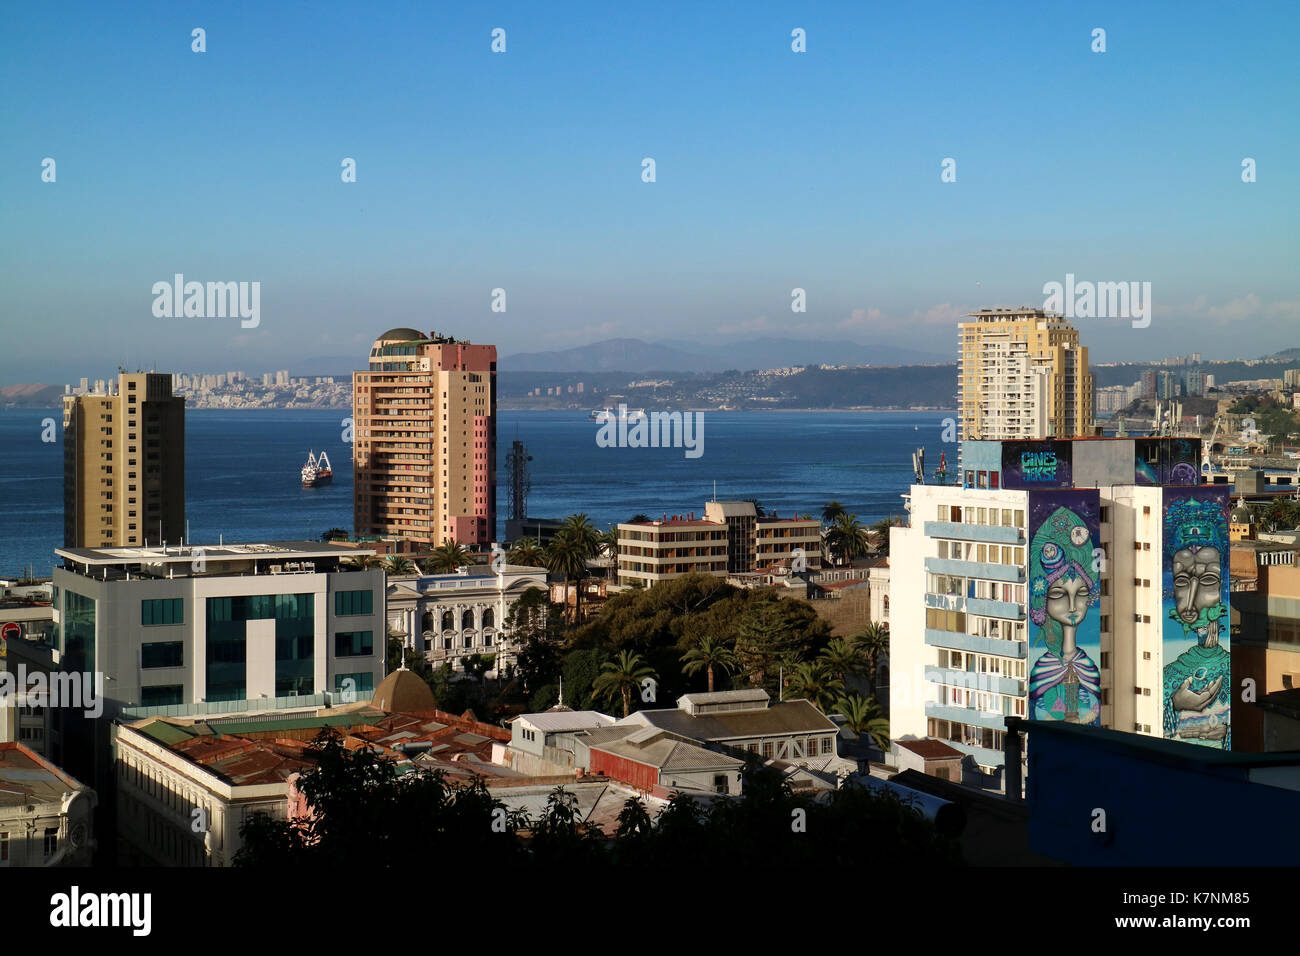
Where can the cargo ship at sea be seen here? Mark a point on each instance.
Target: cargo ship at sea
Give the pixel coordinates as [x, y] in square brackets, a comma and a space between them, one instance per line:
[317, 471]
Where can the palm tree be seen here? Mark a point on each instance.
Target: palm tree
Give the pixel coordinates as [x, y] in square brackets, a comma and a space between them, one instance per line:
[638, 519]
[447, 557]
[847, 538]
[712, 652]
[620, 677]
[364, 562]
[863, 716]
[843, 658]
[813, 681]
[396, 564]
[873, 640]
[880, 531]
[335, 534]
[527, 551]
[583, 539]
[832, 511]
[607, 542]
[564, 556]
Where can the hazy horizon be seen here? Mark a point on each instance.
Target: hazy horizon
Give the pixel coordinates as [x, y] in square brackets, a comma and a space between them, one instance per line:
[522, 171]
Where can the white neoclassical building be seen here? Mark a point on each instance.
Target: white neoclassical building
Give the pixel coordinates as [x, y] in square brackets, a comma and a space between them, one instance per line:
[451, 617]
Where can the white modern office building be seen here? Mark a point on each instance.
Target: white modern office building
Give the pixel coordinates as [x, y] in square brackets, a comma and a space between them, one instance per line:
[219, 623]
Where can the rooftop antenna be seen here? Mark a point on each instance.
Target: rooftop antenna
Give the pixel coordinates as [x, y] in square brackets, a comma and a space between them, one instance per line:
[715, 489]
[561, 704]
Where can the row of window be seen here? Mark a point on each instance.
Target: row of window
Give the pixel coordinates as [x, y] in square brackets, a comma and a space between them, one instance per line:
[982, 664]
[984, 553]
[981, 700]
[346, 644]
[160, 611]
[50, 844]
[1004, 517]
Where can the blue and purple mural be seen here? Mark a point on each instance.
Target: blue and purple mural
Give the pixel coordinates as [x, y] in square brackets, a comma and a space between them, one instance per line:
[1167, 461]
[1037, 464]
[1196, 647]
[1064, 591]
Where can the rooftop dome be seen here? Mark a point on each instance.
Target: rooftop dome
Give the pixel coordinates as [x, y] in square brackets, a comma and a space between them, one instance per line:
[401, 335]
[403, 691]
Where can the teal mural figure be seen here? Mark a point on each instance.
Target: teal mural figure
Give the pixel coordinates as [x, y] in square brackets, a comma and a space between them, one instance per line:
[1198, 683]
[1064, 683]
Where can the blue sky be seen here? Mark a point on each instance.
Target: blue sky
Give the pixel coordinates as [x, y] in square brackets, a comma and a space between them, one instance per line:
[522, 170]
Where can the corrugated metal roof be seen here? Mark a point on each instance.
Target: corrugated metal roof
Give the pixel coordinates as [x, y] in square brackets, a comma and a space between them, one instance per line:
[569, 720]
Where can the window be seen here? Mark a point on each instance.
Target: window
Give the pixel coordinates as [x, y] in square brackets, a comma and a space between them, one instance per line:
[159, 695]
[767, 750]
[163, 654]
[826, 745]
[51, 840]
[354, 644]
[353, 602]
[720, 783]
[4, 847]
[362, 683]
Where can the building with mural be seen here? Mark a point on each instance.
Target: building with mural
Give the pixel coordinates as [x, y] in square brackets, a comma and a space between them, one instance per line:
[1081, 580]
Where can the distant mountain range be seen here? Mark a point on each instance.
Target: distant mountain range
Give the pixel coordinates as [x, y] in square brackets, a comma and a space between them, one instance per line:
[634, 355]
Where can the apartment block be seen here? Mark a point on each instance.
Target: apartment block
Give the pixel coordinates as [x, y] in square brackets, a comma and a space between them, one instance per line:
[124, 464]
[1022, 374]
[729, 539]
[1078, 580]
[424, 443]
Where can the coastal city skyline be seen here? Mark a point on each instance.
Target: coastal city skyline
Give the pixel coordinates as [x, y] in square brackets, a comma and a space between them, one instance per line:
[588, 442]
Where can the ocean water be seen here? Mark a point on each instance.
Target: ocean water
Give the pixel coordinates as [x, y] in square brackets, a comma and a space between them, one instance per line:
[242, 471]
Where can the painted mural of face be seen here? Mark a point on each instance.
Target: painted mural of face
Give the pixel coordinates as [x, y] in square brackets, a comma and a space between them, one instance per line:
[1067, 600]
[1197, 581]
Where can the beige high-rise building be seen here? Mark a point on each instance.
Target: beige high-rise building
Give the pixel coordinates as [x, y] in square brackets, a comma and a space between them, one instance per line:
[1022, 374]
[124, 464]
[424, 442]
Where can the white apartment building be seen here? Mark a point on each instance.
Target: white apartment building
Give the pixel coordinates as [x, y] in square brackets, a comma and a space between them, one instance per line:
[966, 626]
[450, 617]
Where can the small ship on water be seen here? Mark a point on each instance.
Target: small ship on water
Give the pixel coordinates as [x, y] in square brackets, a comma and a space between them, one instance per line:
[317, 471]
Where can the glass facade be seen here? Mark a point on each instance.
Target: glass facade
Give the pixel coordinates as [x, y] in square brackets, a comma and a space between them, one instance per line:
[78, 641]
[294, 616]
[295, 635]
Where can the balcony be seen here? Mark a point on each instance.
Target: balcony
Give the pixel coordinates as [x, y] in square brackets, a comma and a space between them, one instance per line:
[976, 569]
[977, 645]
[1003, 609]
[967, 715]
[973, 680]
[996, 534]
